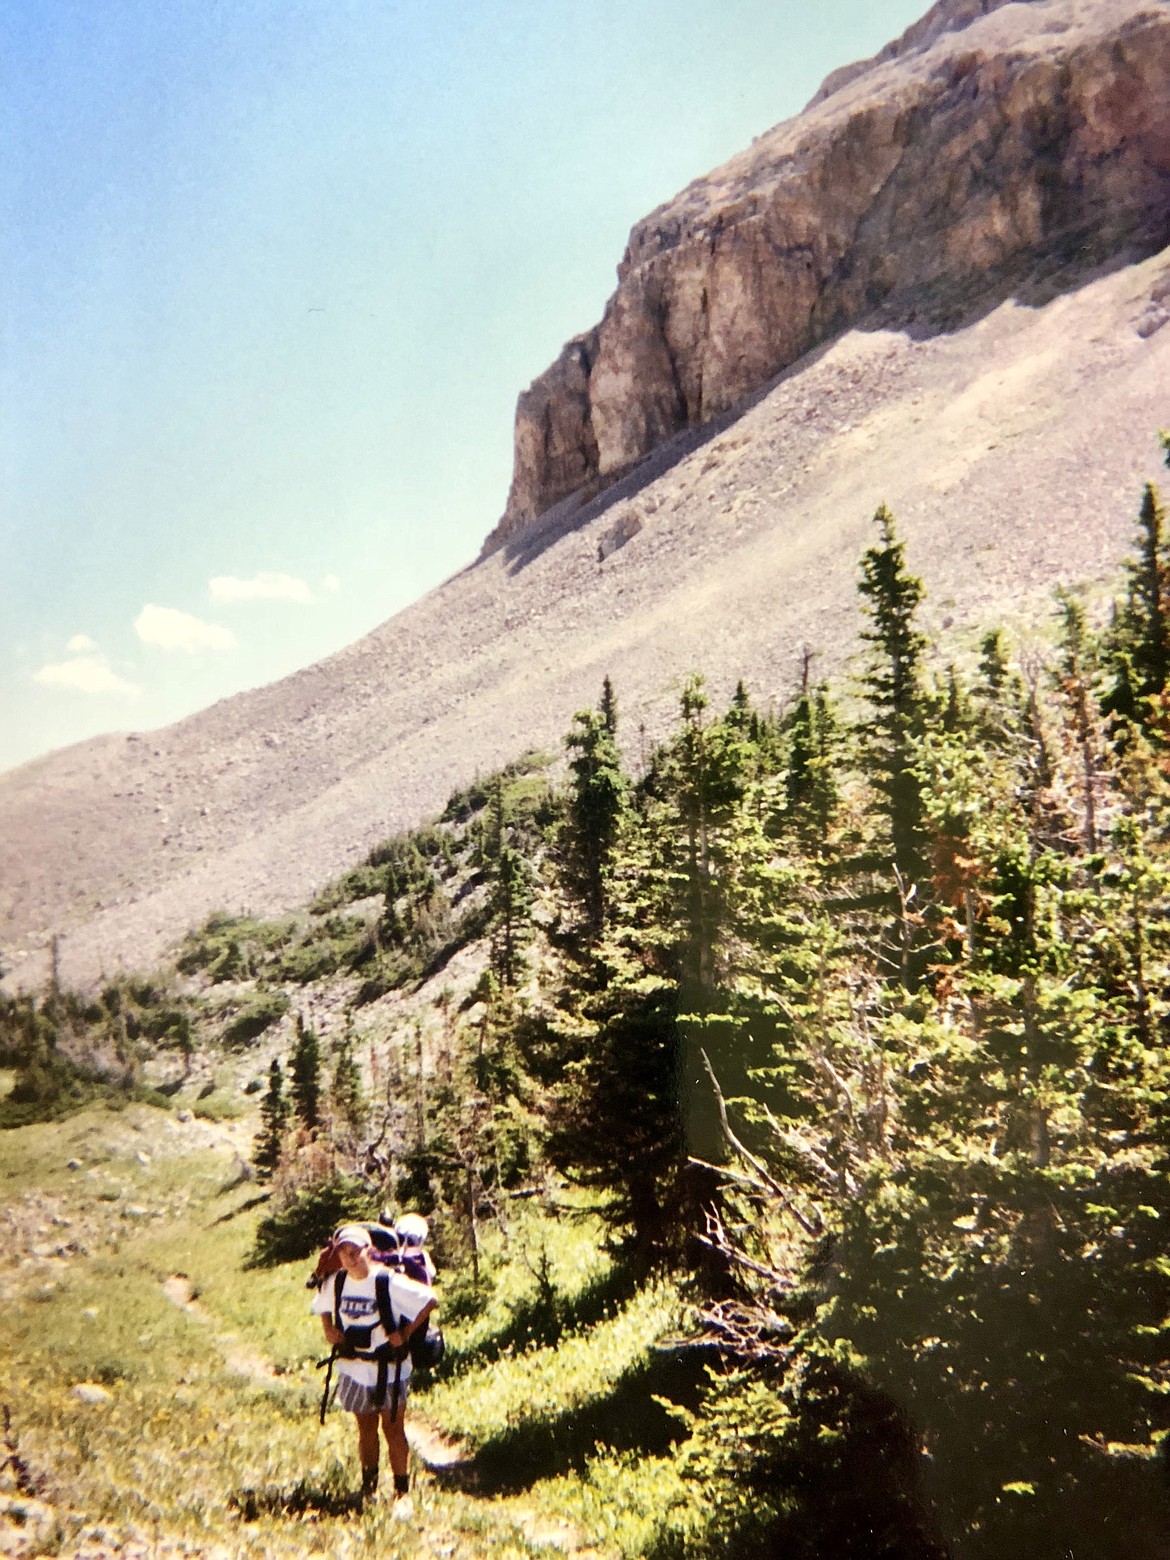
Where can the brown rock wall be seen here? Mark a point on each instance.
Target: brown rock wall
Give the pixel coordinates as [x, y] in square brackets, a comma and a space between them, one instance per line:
[1009, 136]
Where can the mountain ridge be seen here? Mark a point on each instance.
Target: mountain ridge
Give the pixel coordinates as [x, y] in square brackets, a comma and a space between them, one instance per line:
[999, 136]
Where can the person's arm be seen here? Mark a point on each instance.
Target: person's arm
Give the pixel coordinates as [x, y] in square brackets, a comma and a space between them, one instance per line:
[333, 1334]
[407, 1329]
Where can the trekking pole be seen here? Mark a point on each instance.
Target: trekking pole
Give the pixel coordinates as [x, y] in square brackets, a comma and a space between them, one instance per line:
[327, 1367]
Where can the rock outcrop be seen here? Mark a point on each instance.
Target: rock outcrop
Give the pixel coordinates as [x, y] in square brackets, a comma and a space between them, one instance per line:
[988, 139]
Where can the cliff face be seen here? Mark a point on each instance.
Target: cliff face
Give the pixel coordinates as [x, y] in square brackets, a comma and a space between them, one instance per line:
[986, 139]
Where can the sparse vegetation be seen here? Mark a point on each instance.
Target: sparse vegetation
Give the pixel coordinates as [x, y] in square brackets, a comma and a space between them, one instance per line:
[253, 1017]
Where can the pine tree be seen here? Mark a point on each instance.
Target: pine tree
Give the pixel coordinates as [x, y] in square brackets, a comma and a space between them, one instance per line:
[993, 664]
[740, 713]
[703, 777]
[608, 707]
[893, 687]
[890, 741]
[347, 1095]
[810, 780]
[274, 1113]
[1139, 651]
[390, 927]
[511, 901]
[1075, 679]
[305, 1075]
[596, 804]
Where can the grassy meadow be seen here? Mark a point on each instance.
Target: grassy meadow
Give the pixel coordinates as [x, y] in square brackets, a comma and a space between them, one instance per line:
[202, 1435]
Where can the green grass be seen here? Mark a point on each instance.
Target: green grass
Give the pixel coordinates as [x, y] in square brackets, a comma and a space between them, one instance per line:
[209, 1433]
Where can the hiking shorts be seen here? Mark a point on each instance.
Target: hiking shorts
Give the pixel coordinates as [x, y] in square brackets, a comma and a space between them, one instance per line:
[357, 1399]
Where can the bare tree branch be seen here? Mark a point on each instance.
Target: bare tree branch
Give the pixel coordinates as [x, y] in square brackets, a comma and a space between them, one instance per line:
[757, 1165]
[718, 1240]
[750, 1332]
[821, 1168]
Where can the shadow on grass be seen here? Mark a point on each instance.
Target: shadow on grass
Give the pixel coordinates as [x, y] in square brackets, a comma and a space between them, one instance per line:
[630, 1418]
[245, 1207]
[294, 1500]
[542, 1320]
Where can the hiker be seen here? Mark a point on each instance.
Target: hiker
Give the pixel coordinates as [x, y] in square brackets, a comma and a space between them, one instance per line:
[412, 1231]
[368, 1314]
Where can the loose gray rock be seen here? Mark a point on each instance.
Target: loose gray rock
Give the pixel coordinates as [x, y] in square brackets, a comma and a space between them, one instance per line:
[90, 1392]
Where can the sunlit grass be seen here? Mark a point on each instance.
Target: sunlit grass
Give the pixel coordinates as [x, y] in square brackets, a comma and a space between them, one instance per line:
[541, 1384]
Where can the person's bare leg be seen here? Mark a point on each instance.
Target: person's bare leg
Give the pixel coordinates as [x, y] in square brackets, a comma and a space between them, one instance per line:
[394, 1429]
[367, 1428]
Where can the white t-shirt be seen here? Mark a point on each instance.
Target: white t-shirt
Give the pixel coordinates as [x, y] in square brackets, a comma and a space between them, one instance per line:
[359, 1308]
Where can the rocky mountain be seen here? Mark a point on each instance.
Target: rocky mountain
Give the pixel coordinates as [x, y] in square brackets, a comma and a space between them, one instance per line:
[1006, 413]
[988, 138]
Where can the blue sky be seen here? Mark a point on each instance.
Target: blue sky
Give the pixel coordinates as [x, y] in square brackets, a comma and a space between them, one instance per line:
[273, 273]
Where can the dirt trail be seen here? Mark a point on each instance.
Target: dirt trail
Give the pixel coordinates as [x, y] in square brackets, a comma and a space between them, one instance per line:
[433, 1447]
[238, 1356]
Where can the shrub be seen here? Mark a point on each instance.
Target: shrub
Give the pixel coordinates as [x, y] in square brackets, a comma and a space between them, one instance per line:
[217, 1107]
[254, 1018]
[360, 883]
[232, 947]
[306, 1222]
[309, 961]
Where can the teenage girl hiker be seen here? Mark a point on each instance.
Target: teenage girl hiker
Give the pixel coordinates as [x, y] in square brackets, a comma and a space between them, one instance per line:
[347, 1304]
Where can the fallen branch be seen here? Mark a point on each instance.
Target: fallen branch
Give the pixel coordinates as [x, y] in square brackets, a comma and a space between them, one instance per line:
[757, 1165]
[717, 1240]
[822, 1169]
[749, 1332]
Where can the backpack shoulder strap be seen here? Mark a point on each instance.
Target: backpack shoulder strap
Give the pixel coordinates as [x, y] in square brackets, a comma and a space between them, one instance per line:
[382, 1298]
[338, 1285]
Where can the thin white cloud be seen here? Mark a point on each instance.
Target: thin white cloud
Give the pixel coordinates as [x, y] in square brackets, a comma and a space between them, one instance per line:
[85, 674]
[261, 587]
[81, 644]
[171, 629]
[330, 584]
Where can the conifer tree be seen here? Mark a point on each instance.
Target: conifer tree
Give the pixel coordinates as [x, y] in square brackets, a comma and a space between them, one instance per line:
[893, 687]
[1139, 652]
[890, 742]
[810, 782]
[703, 777]
[594, 812]
[993, 664]
[740, 713]
[347, 1096]
[305, 1075]
[511, 900]
[608, 707]
[274, 1123]
[1075, 677]
[390, 928]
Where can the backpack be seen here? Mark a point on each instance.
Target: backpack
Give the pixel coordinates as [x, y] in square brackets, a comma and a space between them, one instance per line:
[427, 1346]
